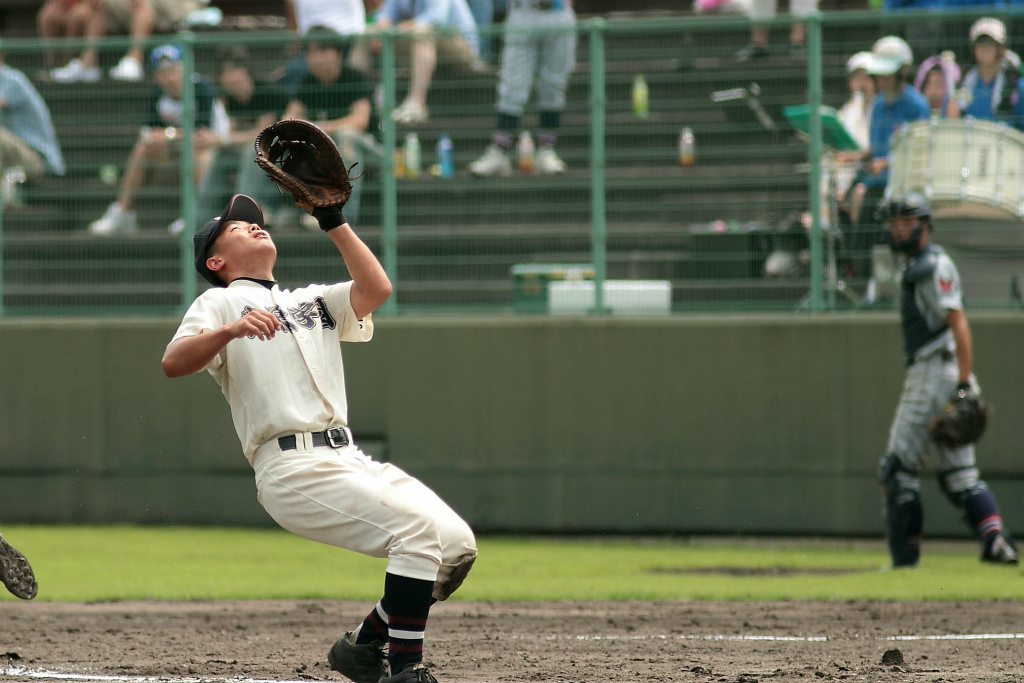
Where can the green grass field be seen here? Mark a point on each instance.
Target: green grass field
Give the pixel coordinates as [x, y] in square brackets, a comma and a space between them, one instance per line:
[83, 563]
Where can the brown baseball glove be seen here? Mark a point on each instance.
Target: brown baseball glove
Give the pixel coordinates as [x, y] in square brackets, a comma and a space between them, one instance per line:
[962, 420]
[304, 161]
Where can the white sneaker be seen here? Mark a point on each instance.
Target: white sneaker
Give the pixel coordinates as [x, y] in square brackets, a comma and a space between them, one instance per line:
[410, 112]
[176, 226]
[546, 162]
[75, 72]
[493, 162]
[128, 69]
[114, 221]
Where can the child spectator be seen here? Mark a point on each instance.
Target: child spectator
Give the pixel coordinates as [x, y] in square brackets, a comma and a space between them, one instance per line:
[159, 139]
[936, 79]
[93, 19]
[989, 91]
[336, 98]
[429, 23]
[27, 138]
[345, 17]
[855, 116]
[251, 106]
[895, 104]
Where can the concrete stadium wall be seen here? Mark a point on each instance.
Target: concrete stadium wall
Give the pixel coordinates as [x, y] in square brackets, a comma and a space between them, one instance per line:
[683, 424]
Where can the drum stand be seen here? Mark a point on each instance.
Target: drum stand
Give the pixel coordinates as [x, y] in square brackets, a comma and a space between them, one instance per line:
[832, 282]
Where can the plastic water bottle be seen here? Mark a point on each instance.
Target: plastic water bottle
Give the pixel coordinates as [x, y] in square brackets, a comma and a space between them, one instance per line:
[640, 97]
[686, 144]
[525, 150]
[398, 163]
[11, 193]
[412, 155]
[444, 156]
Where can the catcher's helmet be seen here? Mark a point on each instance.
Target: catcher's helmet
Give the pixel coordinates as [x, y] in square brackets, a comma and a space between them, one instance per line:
[911, 204]
[906, 205]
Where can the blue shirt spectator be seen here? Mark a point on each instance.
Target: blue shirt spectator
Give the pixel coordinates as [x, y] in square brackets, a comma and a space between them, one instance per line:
[991, 89]
[440, 14]
[886, 119]
[24, 114]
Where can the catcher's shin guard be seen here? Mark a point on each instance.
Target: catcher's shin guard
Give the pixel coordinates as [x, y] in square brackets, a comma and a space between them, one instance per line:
[904, 516]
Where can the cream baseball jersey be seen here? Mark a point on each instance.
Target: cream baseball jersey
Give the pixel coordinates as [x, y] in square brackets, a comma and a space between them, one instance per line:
[294, 382]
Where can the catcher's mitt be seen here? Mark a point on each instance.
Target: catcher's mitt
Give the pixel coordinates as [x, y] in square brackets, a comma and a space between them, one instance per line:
[962, 420]
[304, 161]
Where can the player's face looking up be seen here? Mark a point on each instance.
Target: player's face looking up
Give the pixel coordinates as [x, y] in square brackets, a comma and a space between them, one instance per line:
[242, 247]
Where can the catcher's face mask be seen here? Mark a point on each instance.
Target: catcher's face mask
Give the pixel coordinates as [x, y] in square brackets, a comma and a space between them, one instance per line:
[239, 208]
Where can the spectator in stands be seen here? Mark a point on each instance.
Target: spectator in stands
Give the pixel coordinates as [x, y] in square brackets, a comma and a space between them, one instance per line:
[543, 59]
[990, 90]
[93, 19]
[27, 138]
[895, 104]
[763, 10]
[159, 139]
[429, 24]
[337, 98]
[345, 17]
[483, 16]
[936, 79]
[251, 105]
[855, 116]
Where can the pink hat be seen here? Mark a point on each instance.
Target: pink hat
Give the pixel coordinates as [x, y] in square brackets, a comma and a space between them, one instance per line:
[950, 70]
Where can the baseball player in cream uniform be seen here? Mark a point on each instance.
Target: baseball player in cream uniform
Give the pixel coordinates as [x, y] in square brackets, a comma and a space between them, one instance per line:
[276, 355]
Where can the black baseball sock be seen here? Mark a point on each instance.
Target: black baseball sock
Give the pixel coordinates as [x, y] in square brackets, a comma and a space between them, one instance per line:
[408, 604]
[374, 626]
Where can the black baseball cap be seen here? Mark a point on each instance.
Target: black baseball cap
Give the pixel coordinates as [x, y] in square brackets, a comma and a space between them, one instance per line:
[239, 208]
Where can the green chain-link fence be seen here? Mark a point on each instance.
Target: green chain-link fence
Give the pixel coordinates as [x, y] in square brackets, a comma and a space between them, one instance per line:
[737, 221]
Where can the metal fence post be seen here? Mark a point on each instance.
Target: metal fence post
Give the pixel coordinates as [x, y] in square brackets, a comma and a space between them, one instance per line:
[597, 205]
[187, 185]
[389, 187]
[814, 89]
[3, 249]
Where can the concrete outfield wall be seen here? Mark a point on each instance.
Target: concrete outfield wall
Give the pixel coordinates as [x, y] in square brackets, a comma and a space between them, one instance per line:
[750, 423]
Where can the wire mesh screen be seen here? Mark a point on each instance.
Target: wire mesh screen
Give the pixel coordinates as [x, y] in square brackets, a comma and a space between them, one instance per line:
[644, 155]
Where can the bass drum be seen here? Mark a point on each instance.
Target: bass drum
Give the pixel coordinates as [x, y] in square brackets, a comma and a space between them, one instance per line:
[967, 167]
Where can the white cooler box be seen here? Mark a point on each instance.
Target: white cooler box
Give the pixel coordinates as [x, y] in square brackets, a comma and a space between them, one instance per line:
[624, 297]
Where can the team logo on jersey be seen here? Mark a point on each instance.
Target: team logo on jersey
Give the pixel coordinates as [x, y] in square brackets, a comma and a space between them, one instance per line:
[946, 285]
[306, 315]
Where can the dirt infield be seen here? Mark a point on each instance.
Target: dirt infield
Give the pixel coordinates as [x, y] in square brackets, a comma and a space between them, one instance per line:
[589, 641]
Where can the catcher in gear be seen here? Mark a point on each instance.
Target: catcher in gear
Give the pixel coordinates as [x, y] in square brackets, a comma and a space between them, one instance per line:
[276, 356]
[937, 344]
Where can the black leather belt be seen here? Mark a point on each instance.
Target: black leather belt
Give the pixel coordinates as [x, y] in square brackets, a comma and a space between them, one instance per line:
[336, 437]
[538, 4]
[946, 355]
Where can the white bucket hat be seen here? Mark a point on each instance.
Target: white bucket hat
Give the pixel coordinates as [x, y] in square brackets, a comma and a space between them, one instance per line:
[889, 55]
[987, 26]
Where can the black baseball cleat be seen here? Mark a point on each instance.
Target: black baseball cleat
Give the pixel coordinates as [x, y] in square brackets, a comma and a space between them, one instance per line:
[16, 573]
[360, 663]
[413, 673]
[1000, 551]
